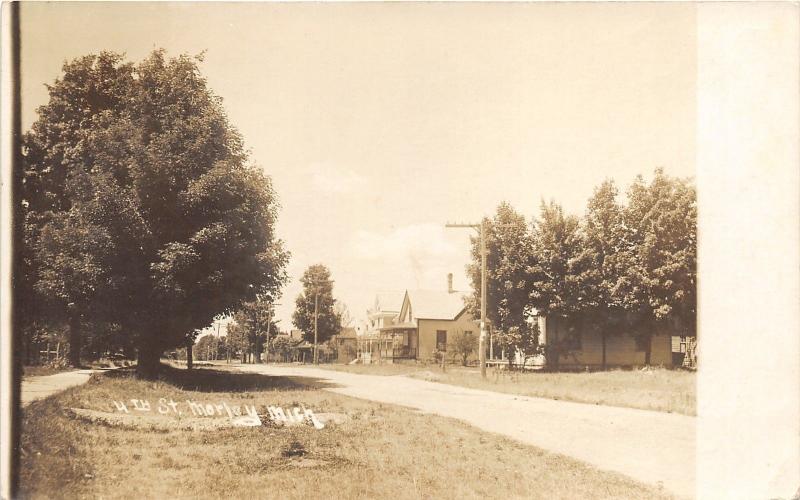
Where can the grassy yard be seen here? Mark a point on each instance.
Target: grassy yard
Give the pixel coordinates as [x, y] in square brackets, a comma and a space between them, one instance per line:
[380, 451]
[657, 389]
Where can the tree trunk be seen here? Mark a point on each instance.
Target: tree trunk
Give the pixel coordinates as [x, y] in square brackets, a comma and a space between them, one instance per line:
[147, 364]
[75, 340]
[189, 355]
[648, 350]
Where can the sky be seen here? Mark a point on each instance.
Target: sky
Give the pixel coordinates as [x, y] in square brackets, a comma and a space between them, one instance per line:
[378, 123]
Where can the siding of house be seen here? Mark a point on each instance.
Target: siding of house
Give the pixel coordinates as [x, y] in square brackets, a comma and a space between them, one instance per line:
[621, 349]
[426, 329]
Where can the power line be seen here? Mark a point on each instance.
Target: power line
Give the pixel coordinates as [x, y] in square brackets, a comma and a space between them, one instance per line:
[481, 229]
[316, 283]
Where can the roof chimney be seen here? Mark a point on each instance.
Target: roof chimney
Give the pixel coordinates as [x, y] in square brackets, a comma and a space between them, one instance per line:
[450, 283]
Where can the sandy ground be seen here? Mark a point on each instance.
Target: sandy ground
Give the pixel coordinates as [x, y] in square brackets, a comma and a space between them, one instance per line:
[34, 388]
[651, 447]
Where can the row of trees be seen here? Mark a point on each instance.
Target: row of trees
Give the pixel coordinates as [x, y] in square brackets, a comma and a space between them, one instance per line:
[253, 328]
[621, 268]
[141, 214]
[229, 347]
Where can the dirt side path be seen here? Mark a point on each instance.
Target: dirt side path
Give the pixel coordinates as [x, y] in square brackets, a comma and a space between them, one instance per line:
[34, 388]
[651, 447]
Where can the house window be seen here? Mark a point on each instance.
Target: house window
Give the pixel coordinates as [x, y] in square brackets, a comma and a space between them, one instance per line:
[467, 332]
[441, 340]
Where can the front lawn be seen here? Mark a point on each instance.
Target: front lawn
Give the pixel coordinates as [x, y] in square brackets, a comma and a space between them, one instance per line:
[376, 451]
[654, 389]
[387, 369]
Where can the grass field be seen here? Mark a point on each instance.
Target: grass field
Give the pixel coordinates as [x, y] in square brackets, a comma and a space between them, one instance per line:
[657, 389]
[381, 451]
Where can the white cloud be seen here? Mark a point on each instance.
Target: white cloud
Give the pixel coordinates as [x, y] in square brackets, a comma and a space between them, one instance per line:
[328, 178]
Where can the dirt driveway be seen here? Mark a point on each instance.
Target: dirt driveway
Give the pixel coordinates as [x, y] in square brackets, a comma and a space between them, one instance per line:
[651, 447]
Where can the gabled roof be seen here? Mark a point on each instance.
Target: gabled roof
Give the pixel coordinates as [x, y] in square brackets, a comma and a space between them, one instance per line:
[436, 304]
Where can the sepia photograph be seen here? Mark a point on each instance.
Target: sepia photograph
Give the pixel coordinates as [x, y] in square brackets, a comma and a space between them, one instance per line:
[382, 250]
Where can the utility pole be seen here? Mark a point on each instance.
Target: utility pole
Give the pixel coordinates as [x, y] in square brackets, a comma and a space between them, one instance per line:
[481, 229]
[216, 342]
[482, 343]
[269, 323]
[316, 284]
[316, 315]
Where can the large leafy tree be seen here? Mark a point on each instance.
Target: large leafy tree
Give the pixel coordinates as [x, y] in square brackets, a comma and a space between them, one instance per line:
[508, 281]
[254, 326]
[601, 263]
[135, 182]
[317, 286]
[557, 291]
[68, 247]
[658, 288]
[237, 340]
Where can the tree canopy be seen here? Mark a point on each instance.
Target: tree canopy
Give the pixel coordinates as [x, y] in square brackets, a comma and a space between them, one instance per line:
[141, 204]
[317, 285]
[621, 268]
[508, 279]
[252, 323]
[658, 287]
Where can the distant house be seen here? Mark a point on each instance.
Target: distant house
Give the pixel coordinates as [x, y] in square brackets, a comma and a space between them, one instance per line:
[586, 347]
[344, 345]
[384, 311]
[583, 347]
[427, 322]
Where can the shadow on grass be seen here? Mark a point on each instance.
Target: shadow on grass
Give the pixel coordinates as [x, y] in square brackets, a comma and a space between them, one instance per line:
[215, 380]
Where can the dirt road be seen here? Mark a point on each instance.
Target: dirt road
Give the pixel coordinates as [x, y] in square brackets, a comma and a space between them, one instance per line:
[651, 447]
